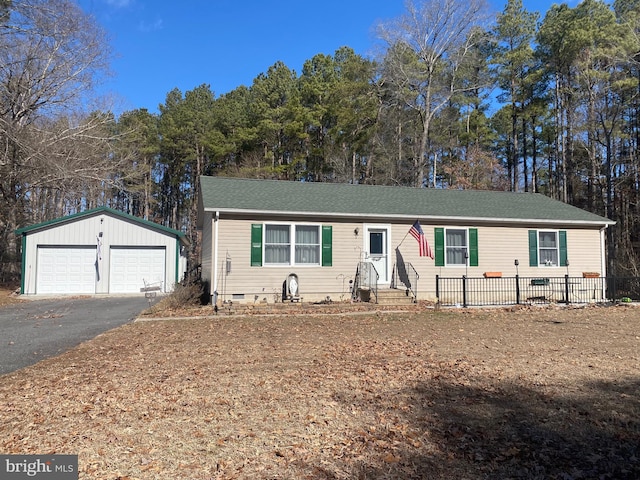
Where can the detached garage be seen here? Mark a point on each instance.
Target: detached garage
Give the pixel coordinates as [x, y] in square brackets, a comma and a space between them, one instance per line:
[100, 251]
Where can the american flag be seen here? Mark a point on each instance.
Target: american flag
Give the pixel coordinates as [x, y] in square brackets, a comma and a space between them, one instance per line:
[417, 233]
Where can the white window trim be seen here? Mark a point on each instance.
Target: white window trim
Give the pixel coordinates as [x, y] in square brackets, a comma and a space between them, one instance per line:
[446, 247]
[557, 248]
[292, 245]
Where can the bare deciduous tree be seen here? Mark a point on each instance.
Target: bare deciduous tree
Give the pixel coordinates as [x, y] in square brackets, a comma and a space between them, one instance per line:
[51, 56]
[428, 46]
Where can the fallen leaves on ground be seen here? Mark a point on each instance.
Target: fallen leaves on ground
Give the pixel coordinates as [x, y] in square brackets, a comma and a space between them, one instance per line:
[9, 295]
[536, 393]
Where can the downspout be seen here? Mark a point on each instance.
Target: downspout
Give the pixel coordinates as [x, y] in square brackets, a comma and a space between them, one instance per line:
[603, 261]
[603, 252]
[214, 286]
[177, 275]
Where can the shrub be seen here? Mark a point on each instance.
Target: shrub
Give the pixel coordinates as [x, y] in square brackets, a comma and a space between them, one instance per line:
[183, 295]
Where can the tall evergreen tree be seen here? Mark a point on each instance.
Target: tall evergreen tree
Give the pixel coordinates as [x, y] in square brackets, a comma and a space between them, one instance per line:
[318, 81]
[355, 107]
[513, 57]
[274, 98]
[139, 148]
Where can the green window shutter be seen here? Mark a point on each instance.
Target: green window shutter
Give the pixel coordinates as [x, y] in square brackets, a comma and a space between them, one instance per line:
[473, 247]
[327, 243]
[256, 245]
[533, 248]
[439, 239]
[562, 240]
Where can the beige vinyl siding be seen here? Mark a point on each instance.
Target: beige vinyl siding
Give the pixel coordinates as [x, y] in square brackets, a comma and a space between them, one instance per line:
[316, 282]
[265, 282]
[498, 247]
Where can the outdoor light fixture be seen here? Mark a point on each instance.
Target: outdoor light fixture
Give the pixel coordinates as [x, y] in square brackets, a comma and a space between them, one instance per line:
[466, 263]
[516, 263]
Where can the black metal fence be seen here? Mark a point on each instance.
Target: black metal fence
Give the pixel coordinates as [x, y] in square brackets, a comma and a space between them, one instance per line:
[470, 291]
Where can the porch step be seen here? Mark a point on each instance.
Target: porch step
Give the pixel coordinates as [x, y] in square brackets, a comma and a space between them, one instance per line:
[393, 296]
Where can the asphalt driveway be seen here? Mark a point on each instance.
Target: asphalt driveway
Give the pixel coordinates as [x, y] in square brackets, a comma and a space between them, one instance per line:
[36, 329]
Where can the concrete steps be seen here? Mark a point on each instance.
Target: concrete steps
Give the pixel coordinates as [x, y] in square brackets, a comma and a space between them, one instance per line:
[393, 296]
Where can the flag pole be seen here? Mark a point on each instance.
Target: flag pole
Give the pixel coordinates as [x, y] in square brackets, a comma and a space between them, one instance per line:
[404, 238]
[405, 235]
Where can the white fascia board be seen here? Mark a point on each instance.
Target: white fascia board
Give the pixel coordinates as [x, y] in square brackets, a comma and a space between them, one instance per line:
[430, 218]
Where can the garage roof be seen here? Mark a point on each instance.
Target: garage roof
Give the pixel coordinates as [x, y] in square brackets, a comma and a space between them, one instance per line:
[99, 211]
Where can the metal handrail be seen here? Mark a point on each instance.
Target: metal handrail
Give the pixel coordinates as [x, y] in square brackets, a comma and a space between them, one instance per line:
[411, 282]
[414, 281]
[365, 279]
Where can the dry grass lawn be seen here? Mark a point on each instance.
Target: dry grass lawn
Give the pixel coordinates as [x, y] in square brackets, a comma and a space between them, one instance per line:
[8, 295]
[544, 393]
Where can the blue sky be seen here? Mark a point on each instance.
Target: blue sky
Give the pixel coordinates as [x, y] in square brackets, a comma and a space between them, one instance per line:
[160, 45]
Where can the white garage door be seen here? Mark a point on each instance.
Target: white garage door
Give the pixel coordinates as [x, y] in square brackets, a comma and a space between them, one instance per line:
[131, 267]
[66, 270]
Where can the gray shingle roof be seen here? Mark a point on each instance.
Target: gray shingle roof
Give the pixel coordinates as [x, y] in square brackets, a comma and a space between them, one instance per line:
[344, 200]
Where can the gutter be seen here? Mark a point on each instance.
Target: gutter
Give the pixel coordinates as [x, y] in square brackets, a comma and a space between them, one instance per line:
[431, 218]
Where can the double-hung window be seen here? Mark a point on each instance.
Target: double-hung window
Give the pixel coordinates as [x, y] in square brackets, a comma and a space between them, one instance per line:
[547, 248]
[455, 247]
[307, 247]
[290, 244]
[277, 244]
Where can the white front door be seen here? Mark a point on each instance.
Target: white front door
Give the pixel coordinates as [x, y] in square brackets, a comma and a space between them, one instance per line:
[377, 250]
